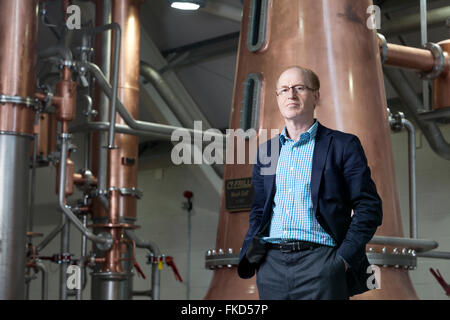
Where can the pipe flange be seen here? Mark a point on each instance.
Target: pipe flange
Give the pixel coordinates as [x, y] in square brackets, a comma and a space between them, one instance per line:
[134, 192]
[384, 47]
[396, 121]
[107, 245]
[65, 136]
[439, 62]
[27, 101]
[394, 259]
[221, 259]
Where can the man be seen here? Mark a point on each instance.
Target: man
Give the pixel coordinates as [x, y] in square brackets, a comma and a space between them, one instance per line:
[303, 241]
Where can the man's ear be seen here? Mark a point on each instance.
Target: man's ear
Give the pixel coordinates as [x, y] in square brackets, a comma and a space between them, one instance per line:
[317, 97]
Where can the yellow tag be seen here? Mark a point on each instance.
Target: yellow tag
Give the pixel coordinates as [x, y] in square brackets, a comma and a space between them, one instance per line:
[160, 265]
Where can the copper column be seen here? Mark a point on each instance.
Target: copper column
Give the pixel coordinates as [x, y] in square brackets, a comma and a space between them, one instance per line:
[18, 35]
[113, 281]
[330, 37]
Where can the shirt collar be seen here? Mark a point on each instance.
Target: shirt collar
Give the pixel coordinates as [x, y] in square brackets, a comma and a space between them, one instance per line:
[305, 136]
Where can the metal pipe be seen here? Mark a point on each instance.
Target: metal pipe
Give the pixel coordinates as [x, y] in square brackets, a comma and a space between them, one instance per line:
[49, 238]
[430, 130]
[150, 245]
[154, 250]
[434, 254]
[416, 244]
[65, 232]
[136, 124]
[120, 128]
[154, 77]
[401, 25]
[66, 210]
[188, 262]
[412, 178]
[409, 58]
[424, 40]
[44, 276]
[103, 106]
[33, 175]
[83, 255]
[57, 50]
[155, 281]
[18, 41]
[117, 42]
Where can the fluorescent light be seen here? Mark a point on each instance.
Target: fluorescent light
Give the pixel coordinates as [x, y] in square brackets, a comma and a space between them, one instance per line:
[185, 5]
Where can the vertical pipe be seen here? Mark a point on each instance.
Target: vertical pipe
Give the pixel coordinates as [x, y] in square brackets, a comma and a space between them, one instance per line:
[105, 65]
[412, 178]
[18, 35]
[155, 281]
[188, 266]
[424, 40]
[64, 220]
[44, 284]
[83, 256]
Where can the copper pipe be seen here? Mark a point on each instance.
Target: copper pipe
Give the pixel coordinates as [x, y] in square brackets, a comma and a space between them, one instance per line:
[69, 180]
[409, 58]
[122, 161]
[18, 23]
[441, 85]
[65, 98]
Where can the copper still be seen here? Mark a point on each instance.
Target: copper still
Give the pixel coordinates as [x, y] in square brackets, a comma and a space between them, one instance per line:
[331, 38]
[17, 87]
[113, 280]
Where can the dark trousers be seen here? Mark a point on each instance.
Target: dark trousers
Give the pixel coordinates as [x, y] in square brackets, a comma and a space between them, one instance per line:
[303, 275]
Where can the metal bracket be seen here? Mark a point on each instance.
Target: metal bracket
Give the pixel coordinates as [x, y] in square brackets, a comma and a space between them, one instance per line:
[439, 61]
[27, 101]
[218, 259]
[128, 191]
[407, 259]
[384, 47]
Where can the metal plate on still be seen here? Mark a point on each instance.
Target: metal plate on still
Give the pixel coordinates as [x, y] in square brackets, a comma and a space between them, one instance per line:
[238, 194]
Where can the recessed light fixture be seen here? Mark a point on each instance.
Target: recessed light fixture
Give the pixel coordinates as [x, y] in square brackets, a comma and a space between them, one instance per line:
[187, 4]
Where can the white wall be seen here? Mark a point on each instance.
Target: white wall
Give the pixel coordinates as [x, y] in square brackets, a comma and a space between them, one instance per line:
[433, 207]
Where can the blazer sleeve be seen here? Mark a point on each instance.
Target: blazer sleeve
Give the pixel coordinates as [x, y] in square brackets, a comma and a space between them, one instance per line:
[365, 202]
[259, 198]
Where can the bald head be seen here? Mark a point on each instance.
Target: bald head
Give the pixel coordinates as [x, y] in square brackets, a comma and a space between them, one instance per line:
[311, 79]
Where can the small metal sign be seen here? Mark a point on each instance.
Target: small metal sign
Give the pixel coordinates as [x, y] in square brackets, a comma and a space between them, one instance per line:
[238, 194]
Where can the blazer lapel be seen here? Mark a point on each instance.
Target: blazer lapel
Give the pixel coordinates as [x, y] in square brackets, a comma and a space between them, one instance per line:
[323, 140]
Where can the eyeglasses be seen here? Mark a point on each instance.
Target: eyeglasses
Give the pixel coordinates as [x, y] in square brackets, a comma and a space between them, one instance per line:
[297, 90]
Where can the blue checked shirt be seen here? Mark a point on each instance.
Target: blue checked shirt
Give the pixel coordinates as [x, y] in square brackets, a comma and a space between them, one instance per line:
[293, 214]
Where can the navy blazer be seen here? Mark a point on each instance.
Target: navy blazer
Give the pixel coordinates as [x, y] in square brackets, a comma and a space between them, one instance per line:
[340, 182]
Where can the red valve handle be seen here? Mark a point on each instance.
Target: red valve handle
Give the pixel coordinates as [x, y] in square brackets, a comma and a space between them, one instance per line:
[139, 269]
[441, 280]
[171, 263]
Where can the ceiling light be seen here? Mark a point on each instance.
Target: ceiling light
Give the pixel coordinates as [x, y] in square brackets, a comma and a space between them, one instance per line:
[187, 4]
